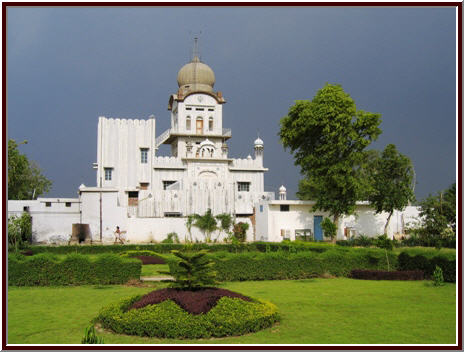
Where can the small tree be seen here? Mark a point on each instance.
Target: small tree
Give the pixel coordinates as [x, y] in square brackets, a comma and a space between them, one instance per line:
[439, 213]
[206, 223]
[194, 270]
[329, 228]
[438, 279]
[240, 230]
[189, 223]
[225, 223]
[392, 178]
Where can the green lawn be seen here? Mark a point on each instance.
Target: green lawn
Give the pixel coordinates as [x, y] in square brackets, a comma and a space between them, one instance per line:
[154, 270]
[315, 311]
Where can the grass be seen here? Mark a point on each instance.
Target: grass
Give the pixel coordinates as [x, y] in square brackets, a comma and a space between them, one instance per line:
[315, 311]
[153, 270]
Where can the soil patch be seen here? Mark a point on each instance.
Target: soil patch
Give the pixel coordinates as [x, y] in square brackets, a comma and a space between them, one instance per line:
[195, 302]
[148, 259]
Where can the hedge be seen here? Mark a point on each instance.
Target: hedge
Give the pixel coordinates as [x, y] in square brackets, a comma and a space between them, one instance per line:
[296, 246]
[230, 316]
[75, 269]
[284, 265]
[427, 262]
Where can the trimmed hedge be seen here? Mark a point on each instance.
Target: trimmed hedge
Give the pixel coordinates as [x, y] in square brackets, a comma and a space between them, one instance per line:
[284, 265]
[229, 317]
[293, 247]
[147, 257]
[75, 269]
[387, 275]
[427, 262]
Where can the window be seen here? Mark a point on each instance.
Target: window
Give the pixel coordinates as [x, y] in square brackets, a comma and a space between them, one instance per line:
[26, 208]
[261, 208]
[199, 109]
[199, 125]
[144, 155]
[48, 204]
[108, 173]
[243, 186]
[172, 215]
[211, 123]
[133, 198]
[284, 207]
[144, 185]
[211, 109]
[166, 184]
[188, 108]
[68, 204]
[188, 124]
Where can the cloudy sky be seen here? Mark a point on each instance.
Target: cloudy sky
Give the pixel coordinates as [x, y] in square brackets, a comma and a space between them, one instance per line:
[67, 66]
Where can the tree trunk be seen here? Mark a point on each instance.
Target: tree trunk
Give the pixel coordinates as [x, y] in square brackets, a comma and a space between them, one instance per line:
[388, 222]
[336, 216]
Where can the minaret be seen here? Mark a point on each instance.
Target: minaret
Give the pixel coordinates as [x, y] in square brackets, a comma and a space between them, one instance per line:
[259, 148]
[282, 193]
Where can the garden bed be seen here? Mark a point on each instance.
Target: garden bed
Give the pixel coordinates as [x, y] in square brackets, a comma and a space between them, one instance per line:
[387, 275]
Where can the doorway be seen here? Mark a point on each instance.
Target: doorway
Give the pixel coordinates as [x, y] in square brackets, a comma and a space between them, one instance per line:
[318, 235]
[199, 125]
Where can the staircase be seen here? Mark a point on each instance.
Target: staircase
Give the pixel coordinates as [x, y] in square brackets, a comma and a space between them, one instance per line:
[162, 138]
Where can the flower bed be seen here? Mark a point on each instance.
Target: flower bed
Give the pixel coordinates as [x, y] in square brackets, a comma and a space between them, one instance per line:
[387, 275]
[161, 314]
[147, 257]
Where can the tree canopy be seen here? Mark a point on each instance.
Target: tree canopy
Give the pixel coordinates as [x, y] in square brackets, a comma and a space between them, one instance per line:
[25, 179]
[439, 213]
[328, 137]
[391, 176]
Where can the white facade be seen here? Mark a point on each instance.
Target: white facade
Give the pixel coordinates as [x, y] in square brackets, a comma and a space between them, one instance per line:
[286, 219]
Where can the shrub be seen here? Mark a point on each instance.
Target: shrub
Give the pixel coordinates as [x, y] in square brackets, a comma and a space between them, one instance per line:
[438, 277]
[329, 228]
[75, 269]
[427, 263]
[90, 337]
[171, 238]
[240, 230]
[230, 316]
[19, 231]
[387, 275]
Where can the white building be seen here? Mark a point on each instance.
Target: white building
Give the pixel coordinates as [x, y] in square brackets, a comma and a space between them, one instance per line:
[149, 196]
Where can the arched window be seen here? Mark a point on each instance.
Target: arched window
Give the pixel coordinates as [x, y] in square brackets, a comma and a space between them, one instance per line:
[188, 124]
[199, 125]
[211, 123]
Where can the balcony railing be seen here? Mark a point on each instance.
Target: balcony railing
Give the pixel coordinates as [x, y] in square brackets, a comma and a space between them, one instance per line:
[162, 138]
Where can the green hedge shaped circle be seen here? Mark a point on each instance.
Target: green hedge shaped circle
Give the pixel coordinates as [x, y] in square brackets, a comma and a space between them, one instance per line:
[229, 317]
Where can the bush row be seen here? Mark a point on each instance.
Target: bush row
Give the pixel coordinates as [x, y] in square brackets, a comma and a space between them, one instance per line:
[413, 241]
[387, 275]
[230, 316]
[75, 269]
[296, 246]
[284, 265]
[447, 262]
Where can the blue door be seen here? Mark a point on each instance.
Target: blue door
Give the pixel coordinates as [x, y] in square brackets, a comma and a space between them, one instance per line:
[317, 228]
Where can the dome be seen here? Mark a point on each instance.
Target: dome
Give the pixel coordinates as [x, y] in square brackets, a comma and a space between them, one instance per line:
[197, 74]
[206, 142]
[259, 142]
[282, 189]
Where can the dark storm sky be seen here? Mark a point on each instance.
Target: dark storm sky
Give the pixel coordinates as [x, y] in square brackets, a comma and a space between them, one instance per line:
[67, 66]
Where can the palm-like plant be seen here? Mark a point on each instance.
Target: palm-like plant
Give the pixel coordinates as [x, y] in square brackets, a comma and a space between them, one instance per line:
[226, 223]
[194, 271]
[206, 223]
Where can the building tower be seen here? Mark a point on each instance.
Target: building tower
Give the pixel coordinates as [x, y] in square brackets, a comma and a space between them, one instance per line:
[282, 193]
[259, 148]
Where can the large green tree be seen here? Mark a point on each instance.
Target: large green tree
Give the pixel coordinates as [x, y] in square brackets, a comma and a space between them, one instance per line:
[391, 178]
[25, 179]
[328, 137]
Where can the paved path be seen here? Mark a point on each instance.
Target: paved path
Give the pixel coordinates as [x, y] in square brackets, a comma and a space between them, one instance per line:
[156, 278]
